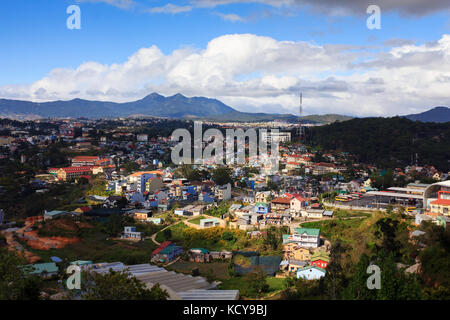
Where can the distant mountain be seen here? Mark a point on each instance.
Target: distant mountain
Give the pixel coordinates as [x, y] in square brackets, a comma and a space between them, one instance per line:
[153, 105]
[177, 106]
[437, 114]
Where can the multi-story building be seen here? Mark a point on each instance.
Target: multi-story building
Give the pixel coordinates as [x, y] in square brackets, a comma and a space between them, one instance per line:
[223, 192]
[304, 237]
[70, 173]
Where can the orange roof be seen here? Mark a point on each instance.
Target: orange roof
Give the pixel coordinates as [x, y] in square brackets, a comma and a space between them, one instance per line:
[283, 200]
[140, 173]
[442, 202]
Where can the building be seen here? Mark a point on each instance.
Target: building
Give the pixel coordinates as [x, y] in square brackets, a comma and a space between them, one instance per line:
[431, 192]
[199, 255]
[304, 237]
[295, 265]
[49, 215]
[70, 173]
[262, 208]
[315, 213]
[292, 251]
[442, 204]
[311, 273]
[277, 218]
[130, 233]
[269, 136]
[82, 161]
[209, 222]
[42, 269]
[153, 184]
[281, 204]
[262, 197]
[166, 252]
[320, 259]
[223, 192]
[142, 215]
[297, 204]
[142, 137]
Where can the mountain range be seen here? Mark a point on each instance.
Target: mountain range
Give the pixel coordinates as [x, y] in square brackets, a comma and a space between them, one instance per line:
[177, 106]
[437, 114]
[153, 105]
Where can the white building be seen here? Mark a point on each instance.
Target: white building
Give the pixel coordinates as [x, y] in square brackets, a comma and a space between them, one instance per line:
[304, 237]
[132, 234]
[223, 192]
[311, 273]
[268, 136]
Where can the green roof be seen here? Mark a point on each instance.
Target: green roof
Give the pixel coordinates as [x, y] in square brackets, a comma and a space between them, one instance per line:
[81, 262]
[202, 250]
[39, 268]
[308, 231]
[320, 255]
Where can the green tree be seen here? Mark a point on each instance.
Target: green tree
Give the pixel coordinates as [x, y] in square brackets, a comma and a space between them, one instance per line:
[222, 176]
[257, 282]
[114, 225]
[334, 278]
[15, 282]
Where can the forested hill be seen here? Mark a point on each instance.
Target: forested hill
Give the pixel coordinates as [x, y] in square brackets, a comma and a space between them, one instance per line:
[388, 142]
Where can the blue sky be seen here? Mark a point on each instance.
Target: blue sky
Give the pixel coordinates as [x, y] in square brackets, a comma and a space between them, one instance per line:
[35, 41]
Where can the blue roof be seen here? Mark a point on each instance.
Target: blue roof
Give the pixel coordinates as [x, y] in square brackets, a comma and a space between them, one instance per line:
[56, 259]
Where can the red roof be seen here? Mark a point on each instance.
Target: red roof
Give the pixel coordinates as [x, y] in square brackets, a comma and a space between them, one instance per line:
[283, 200]
[163, 245]
[442, 202]
[77, 169]
[85, 158]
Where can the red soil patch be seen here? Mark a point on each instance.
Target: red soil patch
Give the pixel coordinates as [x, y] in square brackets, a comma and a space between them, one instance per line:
[47, 243]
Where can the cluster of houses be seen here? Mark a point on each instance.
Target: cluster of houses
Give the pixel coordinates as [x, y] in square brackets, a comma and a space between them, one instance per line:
[303, 254]
[262, 211]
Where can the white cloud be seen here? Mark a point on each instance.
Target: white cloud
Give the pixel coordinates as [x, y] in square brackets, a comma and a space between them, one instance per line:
[256, 73]
[410, 7]
[230, 17]
[122, 4]
[170, 8]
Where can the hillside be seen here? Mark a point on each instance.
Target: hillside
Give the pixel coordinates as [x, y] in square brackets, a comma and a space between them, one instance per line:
[153, 105]
[437, 114]
[388, 142]
[325, 118]
[177, 106]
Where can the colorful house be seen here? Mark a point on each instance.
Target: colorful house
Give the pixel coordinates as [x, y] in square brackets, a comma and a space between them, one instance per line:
[320, 259]
[311, 273]
[42, 269]
[166, 252]
[262, 208]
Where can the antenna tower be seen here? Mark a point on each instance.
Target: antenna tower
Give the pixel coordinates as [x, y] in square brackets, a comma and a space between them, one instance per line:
[300, 128]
